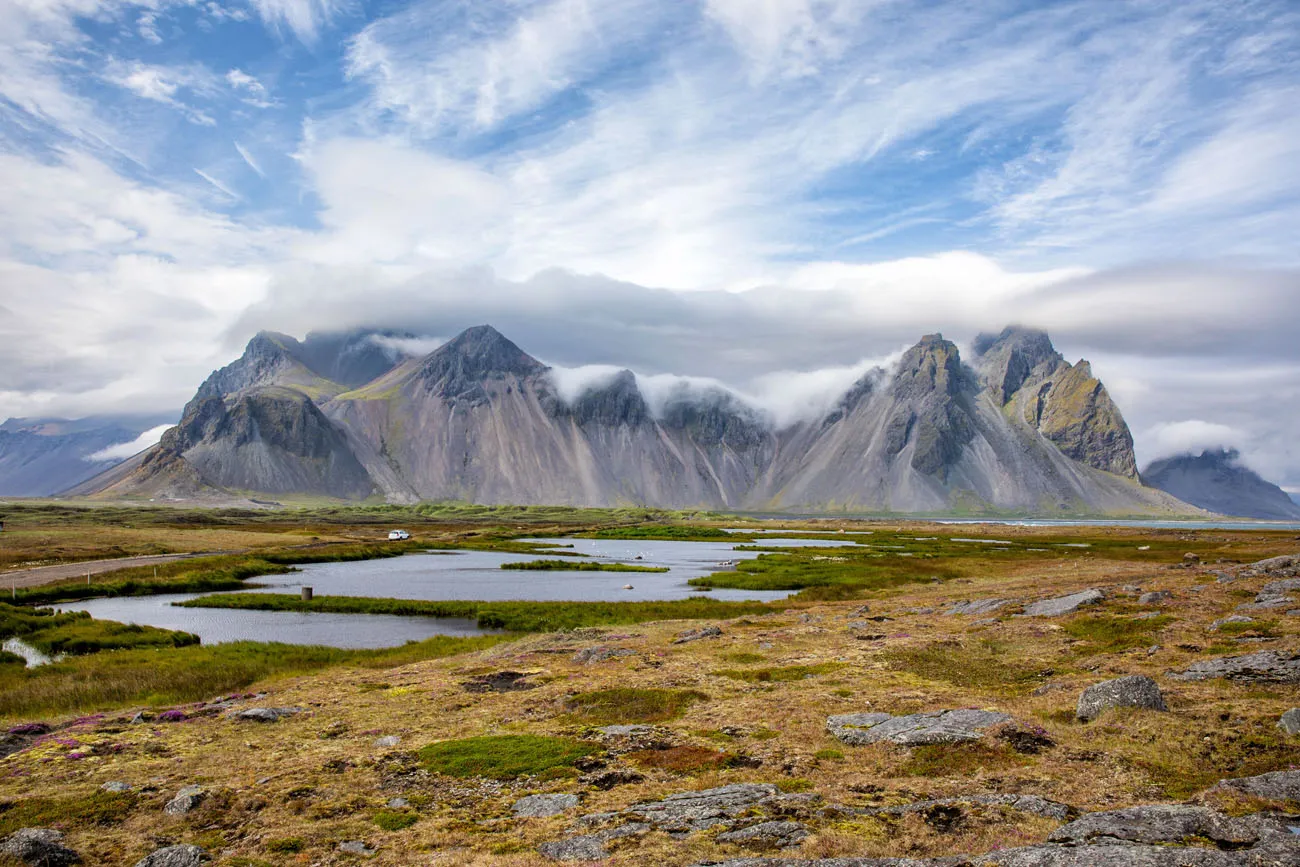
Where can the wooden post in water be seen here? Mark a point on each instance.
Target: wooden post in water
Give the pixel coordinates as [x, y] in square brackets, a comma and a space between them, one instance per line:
[306, 594]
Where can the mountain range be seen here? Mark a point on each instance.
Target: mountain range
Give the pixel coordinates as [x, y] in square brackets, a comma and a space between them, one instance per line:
[1216, 481]
[1018, 429]
[43, 456]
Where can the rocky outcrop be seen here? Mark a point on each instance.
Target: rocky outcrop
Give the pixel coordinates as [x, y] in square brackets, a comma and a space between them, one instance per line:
[1064, 604]
[174, 856]
[937, 727]
[1264, 667]
[38, 847]
[1216, 481]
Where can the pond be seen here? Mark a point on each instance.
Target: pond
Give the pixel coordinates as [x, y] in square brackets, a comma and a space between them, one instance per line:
[443, 575]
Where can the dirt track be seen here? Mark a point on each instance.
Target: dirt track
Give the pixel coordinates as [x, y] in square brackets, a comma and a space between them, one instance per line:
[62, 571]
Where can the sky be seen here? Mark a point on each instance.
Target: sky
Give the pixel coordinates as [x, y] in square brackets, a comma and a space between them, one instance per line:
[763, 192]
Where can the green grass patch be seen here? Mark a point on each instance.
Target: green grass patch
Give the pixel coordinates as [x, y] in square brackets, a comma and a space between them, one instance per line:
[1262, 628]
[987, 665]
[782, 674]
[395, 820]
[744, 658]
[97, 808]
[627, 706]
[77, 633]
[829, 756]
[503, 757]
[184, 674]
[285, 845]
[957, 760]
[510, 616]
[1105, 633]
[585, 566]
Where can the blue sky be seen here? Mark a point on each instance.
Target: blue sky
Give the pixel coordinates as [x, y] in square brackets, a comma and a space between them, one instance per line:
[175, 175]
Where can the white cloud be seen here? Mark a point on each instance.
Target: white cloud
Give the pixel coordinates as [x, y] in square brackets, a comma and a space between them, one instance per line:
[407, 347]
[248, 158]
[122, 451]
[304, 18]
[1191, 435]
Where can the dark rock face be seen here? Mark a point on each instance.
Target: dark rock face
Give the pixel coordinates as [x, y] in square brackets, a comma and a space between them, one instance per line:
[1134, 691]
[618, 403]
[457, 369]
[937, 417]
[1215, 480]
[38, 847]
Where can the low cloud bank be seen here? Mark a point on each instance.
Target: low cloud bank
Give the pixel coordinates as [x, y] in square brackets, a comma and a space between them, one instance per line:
[122, 451]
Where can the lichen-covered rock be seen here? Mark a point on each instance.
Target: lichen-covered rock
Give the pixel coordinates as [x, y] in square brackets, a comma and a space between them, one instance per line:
[1267, 666]
[186, 800]
[697, 634]
[1224, 621]
[593, 655]
[1169, 823]
[541, 806]
[1155, 597]
[696, 811]
[264, 714]
[38, 847]
[977, 607]
[1290, 721]
[1064, 604]
[936, 727]
[1032, 804]
[116, 787]
[1134, 691]
[1275, 786]
[174, 856]
[586, 847]
[767, 835]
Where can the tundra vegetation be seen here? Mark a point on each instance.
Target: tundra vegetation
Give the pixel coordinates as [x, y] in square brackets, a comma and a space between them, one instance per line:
[426, 750]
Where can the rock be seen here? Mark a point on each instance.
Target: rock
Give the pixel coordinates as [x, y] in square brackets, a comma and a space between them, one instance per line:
[1277, 588]
[696, 811]
[1266, 666]
[1266, 602]
[767, 835]
[116, 786]
[1032, 804]
[38, 847]
[1155, 597]
[397, 803]
[174, 856]
[977, 607]
[356, 847]
[1235, 618]
[264, 714]
[592, 655]
[541, 806]
[1168, 823]
[186, 799]
[936, 727]
[697, 634]
[1134, 691]
[388, 741]
[501, 681]
[584, 848]
[1190, 559]
[1063, 604]
[1290, 721]
[1275, 786]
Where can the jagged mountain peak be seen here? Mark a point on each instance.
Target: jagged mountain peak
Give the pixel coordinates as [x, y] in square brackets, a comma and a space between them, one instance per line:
[460, 366]
[1007, 361]
[618, 401]
[932, 365]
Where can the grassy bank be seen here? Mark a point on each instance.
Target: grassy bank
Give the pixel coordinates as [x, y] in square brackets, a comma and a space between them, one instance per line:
[669, 532]
[77, 633]
[510, 616]
[173, 676]
[567, 566]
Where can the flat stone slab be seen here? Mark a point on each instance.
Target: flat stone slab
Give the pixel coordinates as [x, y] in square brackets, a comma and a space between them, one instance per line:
[918, 729]
[977, 607]
[1063, 604]
[587, 847]
[1134, 691]
[264, 714]
[1275, 786]
[174, 856]
[1267, 666]
[1169, 823]
[541, 806]
[696, 811]
[767, 835]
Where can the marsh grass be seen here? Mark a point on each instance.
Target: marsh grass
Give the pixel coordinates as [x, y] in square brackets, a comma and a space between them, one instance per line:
[669, 532]
[1105, 633]
[986, 665]
[503, 757]
[76, 633]
[178, 675]
[97, 808]
[625, 706]
[509, 616]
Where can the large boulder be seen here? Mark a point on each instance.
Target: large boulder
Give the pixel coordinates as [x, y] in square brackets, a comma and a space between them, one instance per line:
[918, 729]
[1134, 691]
[696, 811]
[38, 847]
[1290, 721]
[541, 806]
[1274, 786]
[1063, 604]
[186, 800]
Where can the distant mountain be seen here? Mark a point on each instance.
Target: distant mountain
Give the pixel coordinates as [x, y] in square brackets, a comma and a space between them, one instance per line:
[40, 457]
[479, 419]
[1216, 480]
